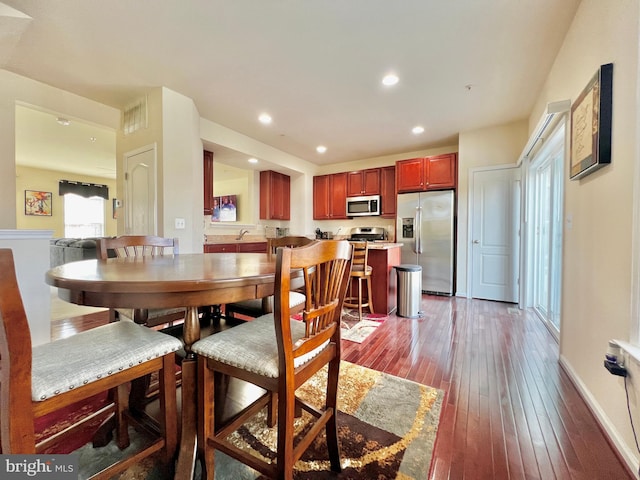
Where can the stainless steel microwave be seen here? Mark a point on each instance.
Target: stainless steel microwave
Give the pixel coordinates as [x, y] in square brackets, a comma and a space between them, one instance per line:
[363, 206]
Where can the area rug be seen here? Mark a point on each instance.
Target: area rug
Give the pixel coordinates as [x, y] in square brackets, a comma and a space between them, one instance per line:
[387, 427]
[355, 330]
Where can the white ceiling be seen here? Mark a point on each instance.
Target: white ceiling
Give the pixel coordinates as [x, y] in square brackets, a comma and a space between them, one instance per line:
[315, 66]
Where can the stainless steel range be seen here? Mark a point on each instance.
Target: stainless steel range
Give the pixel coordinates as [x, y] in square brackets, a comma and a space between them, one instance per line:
[368, 233]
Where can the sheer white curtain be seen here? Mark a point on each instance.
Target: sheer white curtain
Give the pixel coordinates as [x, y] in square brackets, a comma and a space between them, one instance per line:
[83, 217]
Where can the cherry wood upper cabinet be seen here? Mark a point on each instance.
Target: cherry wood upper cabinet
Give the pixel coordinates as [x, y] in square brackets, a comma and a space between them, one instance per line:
[330, 196]
[442, 171]
[208, 182]
[388, 192]
[363, 182]
[431, 173]
[275, 196]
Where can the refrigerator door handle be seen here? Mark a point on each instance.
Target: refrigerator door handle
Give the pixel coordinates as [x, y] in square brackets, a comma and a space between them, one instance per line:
[418, 227]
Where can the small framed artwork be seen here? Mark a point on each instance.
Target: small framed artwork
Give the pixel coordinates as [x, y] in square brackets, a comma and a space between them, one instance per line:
[37, 203]
[591, 125]
[225, 208]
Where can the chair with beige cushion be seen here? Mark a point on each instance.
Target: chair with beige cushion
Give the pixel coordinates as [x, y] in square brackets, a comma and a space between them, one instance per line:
[37, 381]
[138, 246]
[261, 306]
[279, 354]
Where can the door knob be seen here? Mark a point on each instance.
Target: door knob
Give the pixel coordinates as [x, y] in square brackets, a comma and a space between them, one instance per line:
[476, 241]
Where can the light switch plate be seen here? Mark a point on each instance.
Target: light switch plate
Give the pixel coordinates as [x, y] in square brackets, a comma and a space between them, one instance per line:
[180, 224]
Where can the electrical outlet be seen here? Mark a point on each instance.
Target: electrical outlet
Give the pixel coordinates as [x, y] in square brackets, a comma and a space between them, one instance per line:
[615, 369]
[180, 224]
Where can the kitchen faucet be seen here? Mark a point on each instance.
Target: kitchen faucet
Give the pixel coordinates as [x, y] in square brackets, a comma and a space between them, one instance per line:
[242, 233]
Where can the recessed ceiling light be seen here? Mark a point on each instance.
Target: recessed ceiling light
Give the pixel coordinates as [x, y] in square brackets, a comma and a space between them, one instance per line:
[265, 118]
[321, 149]
[417, 130]
[63, 121]
[93, 139]
[253, 160]
[390, 79]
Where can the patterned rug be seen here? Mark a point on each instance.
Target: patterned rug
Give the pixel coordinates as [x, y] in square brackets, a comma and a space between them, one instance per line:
[387, 427]
[357, 331]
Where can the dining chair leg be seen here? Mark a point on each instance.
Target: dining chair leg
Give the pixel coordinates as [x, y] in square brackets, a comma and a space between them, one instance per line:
[286, 415]
[332, 425]
[121, 425]
[168, 403]
[272, 411]
[206, 425]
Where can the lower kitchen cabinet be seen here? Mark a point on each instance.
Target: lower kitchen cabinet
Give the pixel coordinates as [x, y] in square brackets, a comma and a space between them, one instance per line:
[251, 247]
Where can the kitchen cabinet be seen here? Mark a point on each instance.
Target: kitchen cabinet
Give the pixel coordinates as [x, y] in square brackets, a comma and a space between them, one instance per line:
[388, 192]
[208, 182]
[431, 173]
[363, 182]
[330, 196]
[275, 196]
[253, 247]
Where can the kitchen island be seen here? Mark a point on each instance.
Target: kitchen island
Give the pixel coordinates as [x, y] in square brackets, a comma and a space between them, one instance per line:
[383, 256]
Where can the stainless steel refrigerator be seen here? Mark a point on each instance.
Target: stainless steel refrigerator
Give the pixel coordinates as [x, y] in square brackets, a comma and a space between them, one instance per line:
[425, 227]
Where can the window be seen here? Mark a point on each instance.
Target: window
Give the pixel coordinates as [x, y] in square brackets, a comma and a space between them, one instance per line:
[83, 217]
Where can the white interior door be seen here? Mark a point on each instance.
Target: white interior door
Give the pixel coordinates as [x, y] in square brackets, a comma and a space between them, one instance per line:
[140, 192]
[495, 223]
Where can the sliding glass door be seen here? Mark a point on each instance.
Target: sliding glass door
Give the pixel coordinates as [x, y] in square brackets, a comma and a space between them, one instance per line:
[546, 186]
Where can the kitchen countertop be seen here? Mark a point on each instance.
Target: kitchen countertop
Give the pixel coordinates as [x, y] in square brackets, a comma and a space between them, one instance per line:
[225, 239]
[383, 245]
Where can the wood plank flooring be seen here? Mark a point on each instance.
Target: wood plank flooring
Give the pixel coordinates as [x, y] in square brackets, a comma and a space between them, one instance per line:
[510, 411]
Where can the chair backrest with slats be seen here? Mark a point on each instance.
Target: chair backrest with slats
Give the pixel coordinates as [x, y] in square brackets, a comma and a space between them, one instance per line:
[136, 246]
[325, 266]
[290, 241]
[360, 255]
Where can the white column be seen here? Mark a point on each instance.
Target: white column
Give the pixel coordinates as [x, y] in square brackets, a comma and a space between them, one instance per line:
[31, 257]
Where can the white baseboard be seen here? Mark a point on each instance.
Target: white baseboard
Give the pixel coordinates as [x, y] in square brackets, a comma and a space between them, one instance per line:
[614, 436]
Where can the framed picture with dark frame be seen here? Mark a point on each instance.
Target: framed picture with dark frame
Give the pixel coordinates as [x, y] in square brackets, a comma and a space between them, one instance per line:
[591, 125]
[37, 203]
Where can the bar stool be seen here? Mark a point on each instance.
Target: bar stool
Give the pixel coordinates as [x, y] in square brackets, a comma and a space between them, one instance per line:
[360, 272]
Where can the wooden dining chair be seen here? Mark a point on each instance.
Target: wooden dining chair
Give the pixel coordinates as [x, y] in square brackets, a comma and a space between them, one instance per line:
[279, 354]
[138, 246]
[360, 272]
[261, 306]
[47, 378]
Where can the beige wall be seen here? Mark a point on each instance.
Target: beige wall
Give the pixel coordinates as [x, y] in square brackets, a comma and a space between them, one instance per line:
[499, 145]
[173, 127]
[597, 247]
[47, 181]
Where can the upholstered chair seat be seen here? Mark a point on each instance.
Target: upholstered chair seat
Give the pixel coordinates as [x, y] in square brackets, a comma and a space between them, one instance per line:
[65, 364]
[258, 351]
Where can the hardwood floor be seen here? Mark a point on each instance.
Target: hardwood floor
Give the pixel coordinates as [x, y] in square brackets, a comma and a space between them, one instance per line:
[510, 411]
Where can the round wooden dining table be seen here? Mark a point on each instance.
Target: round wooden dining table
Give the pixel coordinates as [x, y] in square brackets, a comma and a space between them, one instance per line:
[169, 281]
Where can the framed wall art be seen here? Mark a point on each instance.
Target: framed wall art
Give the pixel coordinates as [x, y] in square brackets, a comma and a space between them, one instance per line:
[37, 203]
[591, 125]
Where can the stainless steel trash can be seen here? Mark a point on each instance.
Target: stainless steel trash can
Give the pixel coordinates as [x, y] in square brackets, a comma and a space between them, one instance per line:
[409, 290]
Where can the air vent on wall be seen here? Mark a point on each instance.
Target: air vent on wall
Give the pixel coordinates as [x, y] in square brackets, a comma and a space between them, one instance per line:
[135, 116]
